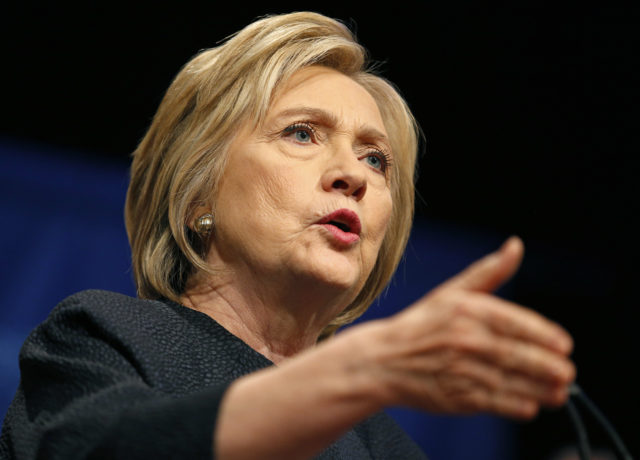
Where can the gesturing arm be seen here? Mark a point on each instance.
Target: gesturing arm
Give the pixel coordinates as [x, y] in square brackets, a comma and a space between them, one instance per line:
[457, 350]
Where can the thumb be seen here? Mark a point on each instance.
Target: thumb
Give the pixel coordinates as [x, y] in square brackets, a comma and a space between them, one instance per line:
[493, 270]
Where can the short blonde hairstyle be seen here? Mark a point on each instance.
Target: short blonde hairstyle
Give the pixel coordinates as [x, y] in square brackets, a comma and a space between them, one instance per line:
[181, 159]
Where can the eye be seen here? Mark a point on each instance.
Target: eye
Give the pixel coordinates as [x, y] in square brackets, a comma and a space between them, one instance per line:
[302, 136]
[378, 160]
[303, 133]
[374, 161]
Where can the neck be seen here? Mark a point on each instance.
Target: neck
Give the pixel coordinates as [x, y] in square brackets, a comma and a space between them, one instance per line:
[276, 323]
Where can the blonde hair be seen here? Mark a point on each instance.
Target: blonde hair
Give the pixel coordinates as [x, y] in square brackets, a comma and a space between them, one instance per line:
[181, 159]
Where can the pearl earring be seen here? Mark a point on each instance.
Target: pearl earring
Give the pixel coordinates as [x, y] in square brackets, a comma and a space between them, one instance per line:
[203, 225]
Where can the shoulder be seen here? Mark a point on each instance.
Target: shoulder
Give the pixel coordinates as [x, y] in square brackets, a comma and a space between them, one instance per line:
[173, 347]
[107, 310]
[105, 367]
[98, 313]
[117, 318]
[93, 339]
[95, 324]
[103, 301]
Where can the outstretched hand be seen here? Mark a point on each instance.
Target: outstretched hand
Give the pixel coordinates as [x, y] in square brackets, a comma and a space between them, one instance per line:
[460, 349]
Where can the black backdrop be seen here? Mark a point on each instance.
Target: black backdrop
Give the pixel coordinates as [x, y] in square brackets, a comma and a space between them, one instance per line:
[530, 115]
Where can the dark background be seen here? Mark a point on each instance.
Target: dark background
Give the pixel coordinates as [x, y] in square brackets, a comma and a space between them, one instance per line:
[530, 116]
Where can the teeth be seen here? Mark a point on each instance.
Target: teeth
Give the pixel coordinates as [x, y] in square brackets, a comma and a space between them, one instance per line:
[341, 226]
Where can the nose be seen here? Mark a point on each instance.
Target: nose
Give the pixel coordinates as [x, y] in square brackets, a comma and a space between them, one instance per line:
[345, 175]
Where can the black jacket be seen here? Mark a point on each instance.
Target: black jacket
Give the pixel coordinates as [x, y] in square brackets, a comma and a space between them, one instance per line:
[110, 376]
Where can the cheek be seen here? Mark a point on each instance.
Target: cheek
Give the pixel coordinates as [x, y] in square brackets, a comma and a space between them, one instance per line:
[279, 192]
[381, 218]
[265, 195]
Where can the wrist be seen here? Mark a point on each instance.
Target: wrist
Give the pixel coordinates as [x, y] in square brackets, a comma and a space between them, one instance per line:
[364, 348]
[334, 381]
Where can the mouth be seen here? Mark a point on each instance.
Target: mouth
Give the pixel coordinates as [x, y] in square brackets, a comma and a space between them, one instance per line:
[340, 225]
[343, 224]
[345, 219]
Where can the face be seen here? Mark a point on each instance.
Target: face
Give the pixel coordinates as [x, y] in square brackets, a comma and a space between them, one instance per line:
[306, 195]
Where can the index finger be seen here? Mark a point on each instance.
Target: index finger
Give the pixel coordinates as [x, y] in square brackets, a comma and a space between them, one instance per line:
[513, 320]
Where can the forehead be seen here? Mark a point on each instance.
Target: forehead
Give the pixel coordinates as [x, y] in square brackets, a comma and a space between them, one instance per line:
[329, 90]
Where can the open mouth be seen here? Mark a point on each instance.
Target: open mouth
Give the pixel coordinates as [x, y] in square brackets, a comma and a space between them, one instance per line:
[342, 226]
[345, 220]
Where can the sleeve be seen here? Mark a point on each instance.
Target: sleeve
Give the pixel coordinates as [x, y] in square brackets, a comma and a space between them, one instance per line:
[83, 394]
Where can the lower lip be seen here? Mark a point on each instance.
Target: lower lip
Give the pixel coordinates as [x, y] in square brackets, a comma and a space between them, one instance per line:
[342, 237]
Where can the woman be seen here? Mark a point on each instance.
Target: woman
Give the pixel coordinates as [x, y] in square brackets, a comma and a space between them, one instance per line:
[269, 204]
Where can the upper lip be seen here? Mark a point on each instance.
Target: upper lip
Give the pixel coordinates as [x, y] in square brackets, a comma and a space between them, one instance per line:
[343, 218]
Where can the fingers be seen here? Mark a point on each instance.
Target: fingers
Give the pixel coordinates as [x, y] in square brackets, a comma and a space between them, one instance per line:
[508, 355]
[490, 388]
[513, 339]
[534, 361]
[490, 272]
[475, 386]
[510, 319]
[514, 406]
[480, 386]
[487, 274]
[536, 390]
[475, 352]
[521, 397]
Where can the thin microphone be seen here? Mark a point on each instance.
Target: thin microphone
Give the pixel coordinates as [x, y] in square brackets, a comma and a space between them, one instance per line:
[584, 450]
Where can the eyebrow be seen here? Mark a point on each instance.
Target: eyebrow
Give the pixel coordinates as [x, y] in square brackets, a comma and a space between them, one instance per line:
[329, 119]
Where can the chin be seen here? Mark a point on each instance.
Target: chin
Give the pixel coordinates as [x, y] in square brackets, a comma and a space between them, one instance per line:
[345, 283]
[340, 271]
